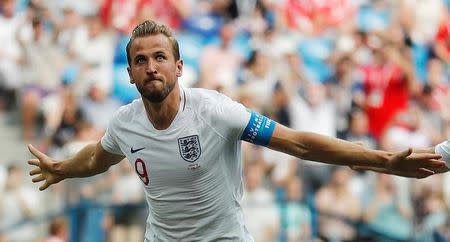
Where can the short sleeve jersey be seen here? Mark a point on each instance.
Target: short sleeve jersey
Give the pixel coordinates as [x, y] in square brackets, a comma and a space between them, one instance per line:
[191, 171]
[444, 150]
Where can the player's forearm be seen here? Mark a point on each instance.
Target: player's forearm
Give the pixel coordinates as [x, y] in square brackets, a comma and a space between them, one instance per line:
[315, 147]
[83, 164]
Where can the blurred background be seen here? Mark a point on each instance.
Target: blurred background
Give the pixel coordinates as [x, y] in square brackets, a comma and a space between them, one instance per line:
[370, 71]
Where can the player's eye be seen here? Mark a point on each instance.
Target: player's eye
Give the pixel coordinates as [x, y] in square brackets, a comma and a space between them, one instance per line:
[160, 57]
[140, 60]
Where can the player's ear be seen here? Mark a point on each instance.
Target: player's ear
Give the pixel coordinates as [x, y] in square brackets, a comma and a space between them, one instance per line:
[179, 68]
[129, 74]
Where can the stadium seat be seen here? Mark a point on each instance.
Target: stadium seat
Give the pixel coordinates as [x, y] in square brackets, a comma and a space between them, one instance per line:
[370, 19]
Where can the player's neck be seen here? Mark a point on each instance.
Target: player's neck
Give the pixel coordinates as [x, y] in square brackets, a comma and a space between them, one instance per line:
[161, 115]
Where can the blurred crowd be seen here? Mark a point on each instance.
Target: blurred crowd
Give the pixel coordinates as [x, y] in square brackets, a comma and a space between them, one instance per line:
[370, 71]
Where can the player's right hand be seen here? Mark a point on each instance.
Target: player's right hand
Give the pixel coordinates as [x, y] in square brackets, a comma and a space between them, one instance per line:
[46, 169]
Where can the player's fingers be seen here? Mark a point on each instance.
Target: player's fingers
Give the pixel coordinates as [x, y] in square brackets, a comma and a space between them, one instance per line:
[418, 173]
[422, 173]
[425, 156]
[34, 162]
[38, 178]
[45, 186]
[36, 152]
[429, 162]
[441, 169]
[35, 171]
[432, 163]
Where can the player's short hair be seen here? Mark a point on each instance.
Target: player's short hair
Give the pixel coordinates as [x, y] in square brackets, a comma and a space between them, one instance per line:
[150, 27]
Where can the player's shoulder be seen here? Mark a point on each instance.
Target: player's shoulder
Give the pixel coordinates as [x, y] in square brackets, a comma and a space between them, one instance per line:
[126, 112]
[201, 96]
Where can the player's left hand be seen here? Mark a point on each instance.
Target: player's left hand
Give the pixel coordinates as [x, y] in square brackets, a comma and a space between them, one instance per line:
[409, 164]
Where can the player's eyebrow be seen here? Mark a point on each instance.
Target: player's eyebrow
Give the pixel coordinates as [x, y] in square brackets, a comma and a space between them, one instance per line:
[139, 56]
[159, 52]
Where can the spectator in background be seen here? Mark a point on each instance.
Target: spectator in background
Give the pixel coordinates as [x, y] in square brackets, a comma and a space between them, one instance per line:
[439, 83]
[258, 205]
[295, 213]
[430, 209]
[129, 211]
[169, 12]
[358, 130]
[3, 175]
[258, 78]
[387, 85]
[406, 129]
[58, 231]
[82, 196]
[442, 40]
[68, 30]
[282, 168]
[94, 49]
[278, 108]
[10, 54]
[70, 115]
[43, 66]
[388, 215]
[16, 206]
[433, 119]
[313, 111]
[97, 108]
[339, 88]
[219, 65]
[339, 210]
[421, 18]
[314, 17]
[124, 15]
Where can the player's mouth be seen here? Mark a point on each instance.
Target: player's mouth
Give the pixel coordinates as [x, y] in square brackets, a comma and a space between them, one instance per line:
[152, 81]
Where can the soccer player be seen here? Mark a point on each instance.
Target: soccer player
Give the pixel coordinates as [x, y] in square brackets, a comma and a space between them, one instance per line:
[185, 145]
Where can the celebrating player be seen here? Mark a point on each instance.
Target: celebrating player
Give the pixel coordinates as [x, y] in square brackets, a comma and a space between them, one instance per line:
[185, 145]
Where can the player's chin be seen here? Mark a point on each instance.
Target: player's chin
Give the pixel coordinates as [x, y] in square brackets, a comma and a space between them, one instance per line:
[155, 96]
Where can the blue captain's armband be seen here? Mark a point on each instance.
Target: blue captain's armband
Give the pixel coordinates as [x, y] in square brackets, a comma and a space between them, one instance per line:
[259, 129]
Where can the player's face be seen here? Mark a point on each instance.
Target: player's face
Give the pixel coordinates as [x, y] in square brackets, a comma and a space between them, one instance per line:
[154, 69]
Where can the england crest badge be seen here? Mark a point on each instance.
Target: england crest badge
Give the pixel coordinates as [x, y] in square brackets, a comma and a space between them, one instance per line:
[189, 148]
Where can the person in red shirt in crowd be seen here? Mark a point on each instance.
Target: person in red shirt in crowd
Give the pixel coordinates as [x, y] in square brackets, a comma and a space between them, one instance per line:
[124, 15]
[442, 41]
[313, 16]
[387, 85]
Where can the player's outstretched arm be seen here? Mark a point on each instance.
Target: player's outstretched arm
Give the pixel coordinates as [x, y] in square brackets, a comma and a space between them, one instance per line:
[315, 147]
[89, 161]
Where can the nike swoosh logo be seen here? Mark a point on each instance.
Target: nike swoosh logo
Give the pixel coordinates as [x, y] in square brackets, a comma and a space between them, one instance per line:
[136, 150]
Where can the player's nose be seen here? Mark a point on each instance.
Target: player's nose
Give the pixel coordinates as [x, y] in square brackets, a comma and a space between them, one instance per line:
[151, 67]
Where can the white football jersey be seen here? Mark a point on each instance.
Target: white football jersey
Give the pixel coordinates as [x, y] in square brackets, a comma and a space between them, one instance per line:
[191, 171]
[444, 150]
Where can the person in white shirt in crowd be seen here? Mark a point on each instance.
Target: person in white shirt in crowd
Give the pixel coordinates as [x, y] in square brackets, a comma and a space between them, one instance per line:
[258, 203]
[11, 56]
[15, 206]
